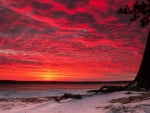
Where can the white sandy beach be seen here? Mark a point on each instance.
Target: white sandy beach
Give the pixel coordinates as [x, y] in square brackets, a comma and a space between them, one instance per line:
[41, 102]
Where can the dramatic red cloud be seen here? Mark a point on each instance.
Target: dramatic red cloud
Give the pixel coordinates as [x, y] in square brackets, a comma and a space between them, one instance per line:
[77, 40]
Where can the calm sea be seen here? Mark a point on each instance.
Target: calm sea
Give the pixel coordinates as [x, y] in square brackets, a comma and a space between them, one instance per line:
[49, 86]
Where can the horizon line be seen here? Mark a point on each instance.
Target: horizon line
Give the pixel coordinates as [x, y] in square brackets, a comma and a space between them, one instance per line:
[37, 81]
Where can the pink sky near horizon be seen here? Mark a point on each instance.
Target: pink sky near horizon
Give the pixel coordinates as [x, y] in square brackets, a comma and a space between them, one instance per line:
[68, 40]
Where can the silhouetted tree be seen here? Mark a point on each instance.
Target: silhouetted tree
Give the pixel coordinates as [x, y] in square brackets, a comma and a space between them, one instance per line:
[140, 11]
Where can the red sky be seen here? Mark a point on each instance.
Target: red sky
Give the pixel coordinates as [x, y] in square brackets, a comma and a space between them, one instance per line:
[77, 40]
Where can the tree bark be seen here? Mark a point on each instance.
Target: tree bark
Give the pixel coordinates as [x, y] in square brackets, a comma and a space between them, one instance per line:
[142, 79]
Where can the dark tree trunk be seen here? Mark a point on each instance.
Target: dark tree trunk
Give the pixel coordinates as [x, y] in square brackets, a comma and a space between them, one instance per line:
[142, 79]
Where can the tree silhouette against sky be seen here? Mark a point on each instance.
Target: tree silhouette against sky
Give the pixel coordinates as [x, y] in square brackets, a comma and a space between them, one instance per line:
[140, 12]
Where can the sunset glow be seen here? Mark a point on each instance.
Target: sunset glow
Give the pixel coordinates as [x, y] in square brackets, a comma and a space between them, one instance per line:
[68, 40]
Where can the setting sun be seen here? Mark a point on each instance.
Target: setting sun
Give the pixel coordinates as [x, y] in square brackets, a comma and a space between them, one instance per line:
[47, 76]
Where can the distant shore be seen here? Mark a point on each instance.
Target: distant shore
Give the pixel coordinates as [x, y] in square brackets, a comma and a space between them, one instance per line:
[65, 82]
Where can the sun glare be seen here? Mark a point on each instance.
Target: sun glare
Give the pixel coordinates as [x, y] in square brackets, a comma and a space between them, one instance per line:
[47, 76]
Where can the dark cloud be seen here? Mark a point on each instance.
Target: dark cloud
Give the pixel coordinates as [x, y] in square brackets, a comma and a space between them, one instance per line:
[82, 18]
[58, 14]
[101, 28]
[7, 17]
[19, 3]
[41, 6]
[71, 4]
[3, 21]
[5, 12]
[33, 32]
[82, 3]
[13, 61]
[14, 25]
[13, 31]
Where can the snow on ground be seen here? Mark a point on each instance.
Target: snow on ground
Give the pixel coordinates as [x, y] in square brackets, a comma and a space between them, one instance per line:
[42, 102]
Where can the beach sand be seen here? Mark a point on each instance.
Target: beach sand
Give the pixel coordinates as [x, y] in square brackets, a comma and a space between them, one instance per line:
[31, 102]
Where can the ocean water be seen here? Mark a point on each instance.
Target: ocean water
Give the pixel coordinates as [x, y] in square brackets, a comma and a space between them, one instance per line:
[51, 86]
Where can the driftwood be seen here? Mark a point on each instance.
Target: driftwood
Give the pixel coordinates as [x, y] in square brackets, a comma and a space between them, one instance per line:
[107, 89]
[67, 96]
[104, 89]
